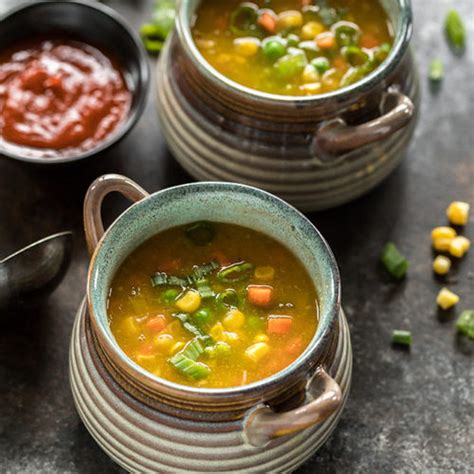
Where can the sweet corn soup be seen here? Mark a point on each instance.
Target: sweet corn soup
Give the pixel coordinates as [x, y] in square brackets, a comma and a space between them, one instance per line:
[293, 47]
[212, 305]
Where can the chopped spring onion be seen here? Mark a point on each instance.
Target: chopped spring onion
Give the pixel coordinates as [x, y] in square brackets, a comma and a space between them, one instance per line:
[402, 337]
[436, 70]
[354, 55]
[204, 288]
[193, 349]
[465, 323]
[155, 33]
[198, 273]
[228, 297]
[200, 233]
[455, 30]
[243, 20]
[395, 263]
[184, 318]
[189, 367]
[236, 272]
[346, 33]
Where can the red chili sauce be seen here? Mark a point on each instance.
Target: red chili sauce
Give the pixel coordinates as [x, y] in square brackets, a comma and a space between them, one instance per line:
[59, 97]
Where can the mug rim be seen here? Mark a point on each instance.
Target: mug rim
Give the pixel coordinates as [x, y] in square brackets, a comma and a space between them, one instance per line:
[300, 365]
[140, 93]
[400, 45]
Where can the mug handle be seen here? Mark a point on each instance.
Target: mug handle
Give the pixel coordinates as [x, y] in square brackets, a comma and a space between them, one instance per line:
[335, 136]
[264, 424]
[93, 225]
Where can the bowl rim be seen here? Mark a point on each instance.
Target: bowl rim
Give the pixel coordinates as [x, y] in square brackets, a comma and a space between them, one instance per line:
[139, 94]
[401, 42]
[305, 362]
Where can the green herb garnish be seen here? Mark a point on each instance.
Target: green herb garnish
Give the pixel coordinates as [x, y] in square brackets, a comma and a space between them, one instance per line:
[155, 33]
[455, 30]
[402, 337]
[395, 263]
[436, 70]
[236, 272]
[465, 323]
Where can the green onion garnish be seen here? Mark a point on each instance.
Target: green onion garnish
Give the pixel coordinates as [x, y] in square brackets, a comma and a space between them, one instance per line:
[436, 70]
[189, 367]
[402, 337]
[204, 289]
[465, 323]
[198, 273]
[228, 297]
[455, 30]
[395, 263]
[235, 272]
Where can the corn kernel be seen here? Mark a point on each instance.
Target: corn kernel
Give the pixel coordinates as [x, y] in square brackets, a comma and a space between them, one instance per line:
[446, 298]
[441, 265]
[232, 338]
[264, 273]
[247, 46]
[189, 302]
[217, 332]
[234, 319]
[458, 213]
[310, 75]
[459, 246]
[289, 19]
[257, 351]
[442, 244]
[443, 232]
[163, 342]
[261, 338]
[311, 30]
[177, 346]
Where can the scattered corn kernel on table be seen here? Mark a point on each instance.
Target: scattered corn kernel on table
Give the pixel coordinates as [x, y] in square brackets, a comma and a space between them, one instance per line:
[408, 411]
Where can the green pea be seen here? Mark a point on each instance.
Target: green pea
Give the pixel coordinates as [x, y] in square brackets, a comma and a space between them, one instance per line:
[170, 295]
[203, 316]
[321, 64]
[273, 49]
[292, 64]
[254, 323]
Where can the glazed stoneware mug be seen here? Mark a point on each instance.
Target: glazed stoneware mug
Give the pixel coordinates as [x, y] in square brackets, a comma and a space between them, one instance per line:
[315, 152]
[148, 424]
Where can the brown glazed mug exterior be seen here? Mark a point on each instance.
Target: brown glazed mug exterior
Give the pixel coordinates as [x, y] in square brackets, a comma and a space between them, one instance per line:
[316, 151]
[269, 426]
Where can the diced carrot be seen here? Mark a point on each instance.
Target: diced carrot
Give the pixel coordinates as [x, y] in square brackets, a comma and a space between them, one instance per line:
[221, 257]
[326, 40]
[259, 295]
[368, 41]
[295, 346]
[277, 324]
[268, 22]
[156, 323]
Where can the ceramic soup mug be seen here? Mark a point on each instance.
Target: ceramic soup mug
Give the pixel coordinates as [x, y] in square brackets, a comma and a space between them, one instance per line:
[316, 151]
[148, 424]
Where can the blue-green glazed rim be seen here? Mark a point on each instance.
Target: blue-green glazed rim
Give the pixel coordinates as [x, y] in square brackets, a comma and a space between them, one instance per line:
[220, 202]
[402, 36]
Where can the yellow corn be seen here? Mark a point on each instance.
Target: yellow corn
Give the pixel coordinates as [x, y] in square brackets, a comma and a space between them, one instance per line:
[446, 298]
[189, 302]
[311, 29]
[458, 213]
[231, 338]
[163, 342]
[177, 346]
[459, 246]
[261, 338]
[310, 75]
[289, 19]
[441, 265]
[247, 46]
[441, 238]
[234, 319]
[257, 351]
[217, 332]
[265, 272]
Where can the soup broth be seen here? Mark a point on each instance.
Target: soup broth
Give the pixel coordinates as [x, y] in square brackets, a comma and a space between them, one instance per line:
[212, 305]
[293, 47]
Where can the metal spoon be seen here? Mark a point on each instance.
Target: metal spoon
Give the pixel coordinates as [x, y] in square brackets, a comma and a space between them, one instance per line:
[35, 270]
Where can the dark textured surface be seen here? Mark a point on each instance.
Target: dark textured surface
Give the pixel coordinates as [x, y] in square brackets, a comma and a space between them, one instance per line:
[407, 412]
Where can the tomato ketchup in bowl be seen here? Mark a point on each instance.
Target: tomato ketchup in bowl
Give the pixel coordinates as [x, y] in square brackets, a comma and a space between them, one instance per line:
[63, 95]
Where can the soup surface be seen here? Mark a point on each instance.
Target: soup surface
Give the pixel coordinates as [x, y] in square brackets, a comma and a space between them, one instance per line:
[293, 47]
[212, 305]
[58, 96]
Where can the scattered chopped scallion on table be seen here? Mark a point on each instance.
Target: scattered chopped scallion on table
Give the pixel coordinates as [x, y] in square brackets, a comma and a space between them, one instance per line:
[455, 30]
[395, 263]
[155, 33]
[402, 337]
[436, 70]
